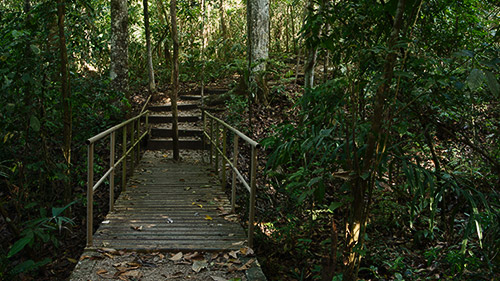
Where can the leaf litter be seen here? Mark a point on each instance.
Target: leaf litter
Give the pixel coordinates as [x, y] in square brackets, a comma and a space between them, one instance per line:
[128, 266]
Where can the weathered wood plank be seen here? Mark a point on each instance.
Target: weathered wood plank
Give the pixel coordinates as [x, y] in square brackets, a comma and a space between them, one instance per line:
[170, 206]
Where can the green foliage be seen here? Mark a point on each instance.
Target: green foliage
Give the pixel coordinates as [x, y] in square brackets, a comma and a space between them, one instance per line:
[38, 232]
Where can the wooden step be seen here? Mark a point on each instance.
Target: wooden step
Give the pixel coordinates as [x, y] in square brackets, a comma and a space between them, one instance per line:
[190, 97]
[168, 107]
[207, 91]
[158, 119]
[168, 133]
[157, 144]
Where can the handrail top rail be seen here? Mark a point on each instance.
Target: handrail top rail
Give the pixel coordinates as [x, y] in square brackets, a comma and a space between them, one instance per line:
[243, 136]
[114, 128]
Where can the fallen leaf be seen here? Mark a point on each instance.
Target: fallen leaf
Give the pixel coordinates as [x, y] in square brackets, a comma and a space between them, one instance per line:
[238, 243]
[137, 228]
[183, 180]
[234, 254]
[105, 222]
[246, 251]
[176, 257]
[199, 265]
[187, 188]
[108, 255]
[207, 217]
[193, 256]
[84, 257]
[102, 271]
[246, 265]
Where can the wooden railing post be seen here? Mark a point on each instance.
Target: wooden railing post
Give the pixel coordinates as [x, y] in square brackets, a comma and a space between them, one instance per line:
[251, 216]
[132, 154]
[203, 139]
[90, 193]
[138, 136]
[224, 155]
[211, 139]
[235, 164]
[124, 163]
[217, 145]
[112, 174]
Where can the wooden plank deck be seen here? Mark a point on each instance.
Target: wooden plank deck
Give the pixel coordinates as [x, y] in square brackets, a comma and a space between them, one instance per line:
[170, 206]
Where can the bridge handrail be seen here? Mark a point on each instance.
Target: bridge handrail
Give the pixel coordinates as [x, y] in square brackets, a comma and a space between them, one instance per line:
[136, 138]
[216, 145]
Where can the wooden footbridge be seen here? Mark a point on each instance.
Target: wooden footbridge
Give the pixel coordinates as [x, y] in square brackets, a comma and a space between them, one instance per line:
[166, 205]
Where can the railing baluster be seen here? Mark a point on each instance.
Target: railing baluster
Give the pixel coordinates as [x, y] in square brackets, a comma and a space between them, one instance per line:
[233, 181]
[211, 139]
[90, 193]
[217, 139]
[224, 152]
[112, 174]
[138, 155]
[132, 155]
[251, 215]
[124, 163]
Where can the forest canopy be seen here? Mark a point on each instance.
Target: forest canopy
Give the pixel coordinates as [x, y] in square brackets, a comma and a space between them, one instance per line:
[380, 123]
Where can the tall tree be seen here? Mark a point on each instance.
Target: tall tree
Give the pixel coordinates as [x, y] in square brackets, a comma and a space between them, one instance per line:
[258, 47]
[119, 46]
[151, 72]
[175, 80]
[66, 96]
[364, 182]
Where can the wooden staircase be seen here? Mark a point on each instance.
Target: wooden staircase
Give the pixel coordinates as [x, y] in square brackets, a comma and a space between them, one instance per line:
[190, 122]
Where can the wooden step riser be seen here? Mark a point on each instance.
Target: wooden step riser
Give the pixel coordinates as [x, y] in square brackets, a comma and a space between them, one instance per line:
[167, 144]
[190, 97]
[159, 119]
[168, 133]
[169, 108]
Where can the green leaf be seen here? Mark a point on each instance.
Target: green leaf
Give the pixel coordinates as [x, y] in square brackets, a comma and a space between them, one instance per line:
[314, 181]
[334, 205]
[34, 123]
[20, 244]
[475, 79]
[35, 49]
[492, 83]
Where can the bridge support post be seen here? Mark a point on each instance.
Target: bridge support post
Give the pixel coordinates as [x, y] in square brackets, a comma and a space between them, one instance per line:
[124, 163]
[233, 181]
[90, 193]
[224, 155]
[112, 174]
[253, 187]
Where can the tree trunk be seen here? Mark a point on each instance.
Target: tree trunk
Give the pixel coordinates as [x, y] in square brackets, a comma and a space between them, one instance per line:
[312, 53]
[258, 48]
[66, 96]
[363, 184]
[175, 80]
[151, 72]
[119, 46]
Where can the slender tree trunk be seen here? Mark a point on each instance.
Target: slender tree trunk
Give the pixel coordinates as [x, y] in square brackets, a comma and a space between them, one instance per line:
[312, 53]
[119, 46]
[151, 72]
[175, 80]
[292, 17]
[258, 48]
[223, 26]
[66, 96]
[364, 182]
[202, 53]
